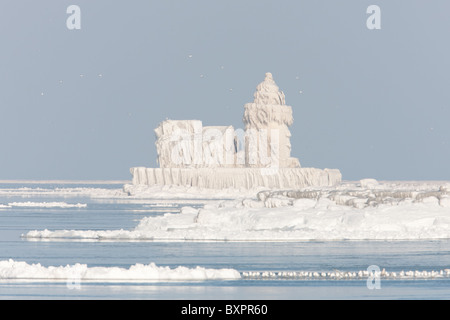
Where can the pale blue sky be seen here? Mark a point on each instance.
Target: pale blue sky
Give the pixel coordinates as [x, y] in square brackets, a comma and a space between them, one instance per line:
[83, 104]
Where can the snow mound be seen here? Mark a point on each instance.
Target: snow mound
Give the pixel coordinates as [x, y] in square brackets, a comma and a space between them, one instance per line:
[367, 183]
[19, 270]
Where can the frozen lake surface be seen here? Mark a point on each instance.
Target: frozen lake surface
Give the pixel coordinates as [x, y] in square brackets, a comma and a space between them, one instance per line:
[63, 206]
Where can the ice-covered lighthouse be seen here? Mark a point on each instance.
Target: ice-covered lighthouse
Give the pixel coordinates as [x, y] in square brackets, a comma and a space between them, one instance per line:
[190, 154]
[266, 121]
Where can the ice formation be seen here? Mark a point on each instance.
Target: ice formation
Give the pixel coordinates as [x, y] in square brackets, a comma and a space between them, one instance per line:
[20, 270]
[352, 210]
[11, 270]
[347, 275]
[30, 204]
[247, 178]
[269, 112]
[190, 154]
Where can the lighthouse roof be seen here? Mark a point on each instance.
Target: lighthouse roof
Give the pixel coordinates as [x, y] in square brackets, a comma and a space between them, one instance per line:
[267, 92]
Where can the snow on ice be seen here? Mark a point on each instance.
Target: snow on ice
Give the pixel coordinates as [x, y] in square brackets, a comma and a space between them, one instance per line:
[30, 204]
[20, 270]
[351, 210]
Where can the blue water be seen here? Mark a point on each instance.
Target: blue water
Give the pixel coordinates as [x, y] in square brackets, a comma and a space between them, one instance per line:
[108, 214]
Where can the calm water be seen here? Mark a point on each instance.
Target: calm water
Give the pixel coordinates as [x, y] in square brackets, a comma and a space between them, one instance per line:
[243, 256]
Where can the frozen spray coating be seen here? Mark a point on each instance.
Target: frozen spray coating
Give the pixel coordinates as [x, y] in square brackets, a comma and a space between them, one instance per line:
[190, 154]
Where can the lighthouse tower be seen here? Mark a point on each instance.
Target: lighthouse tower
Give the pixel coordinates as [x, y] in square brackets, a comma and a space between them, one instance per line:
[266, 121]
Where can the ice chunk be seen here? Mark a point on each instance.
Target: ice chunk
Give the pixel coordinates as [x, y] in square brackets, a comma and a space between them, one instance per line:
[337, 275]
[445, 188]
[431, 200]
[368, 183]
[304, 203]
[14, 270]
[30, 204]
[250, 203]
[444, 201]
[277, 201]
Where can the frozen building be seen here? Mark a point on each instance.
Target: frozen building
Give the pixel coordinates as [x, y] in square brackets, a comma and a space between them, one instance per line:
[190, 154]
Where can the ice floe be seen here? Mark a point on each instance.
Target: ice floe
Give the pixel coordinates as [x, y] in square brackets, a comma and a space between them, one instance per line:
[30, 204]
[11, 270]
[20, 270]
[352, 210]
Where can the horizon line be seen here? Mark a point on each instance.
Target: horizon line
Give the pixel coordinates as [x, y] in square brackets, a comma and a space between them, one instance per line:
[65, 181]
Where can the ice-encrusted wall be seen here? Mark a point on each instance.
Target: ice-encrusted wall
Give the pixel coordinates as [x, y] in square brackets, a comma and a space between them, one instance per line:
[247, 178]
